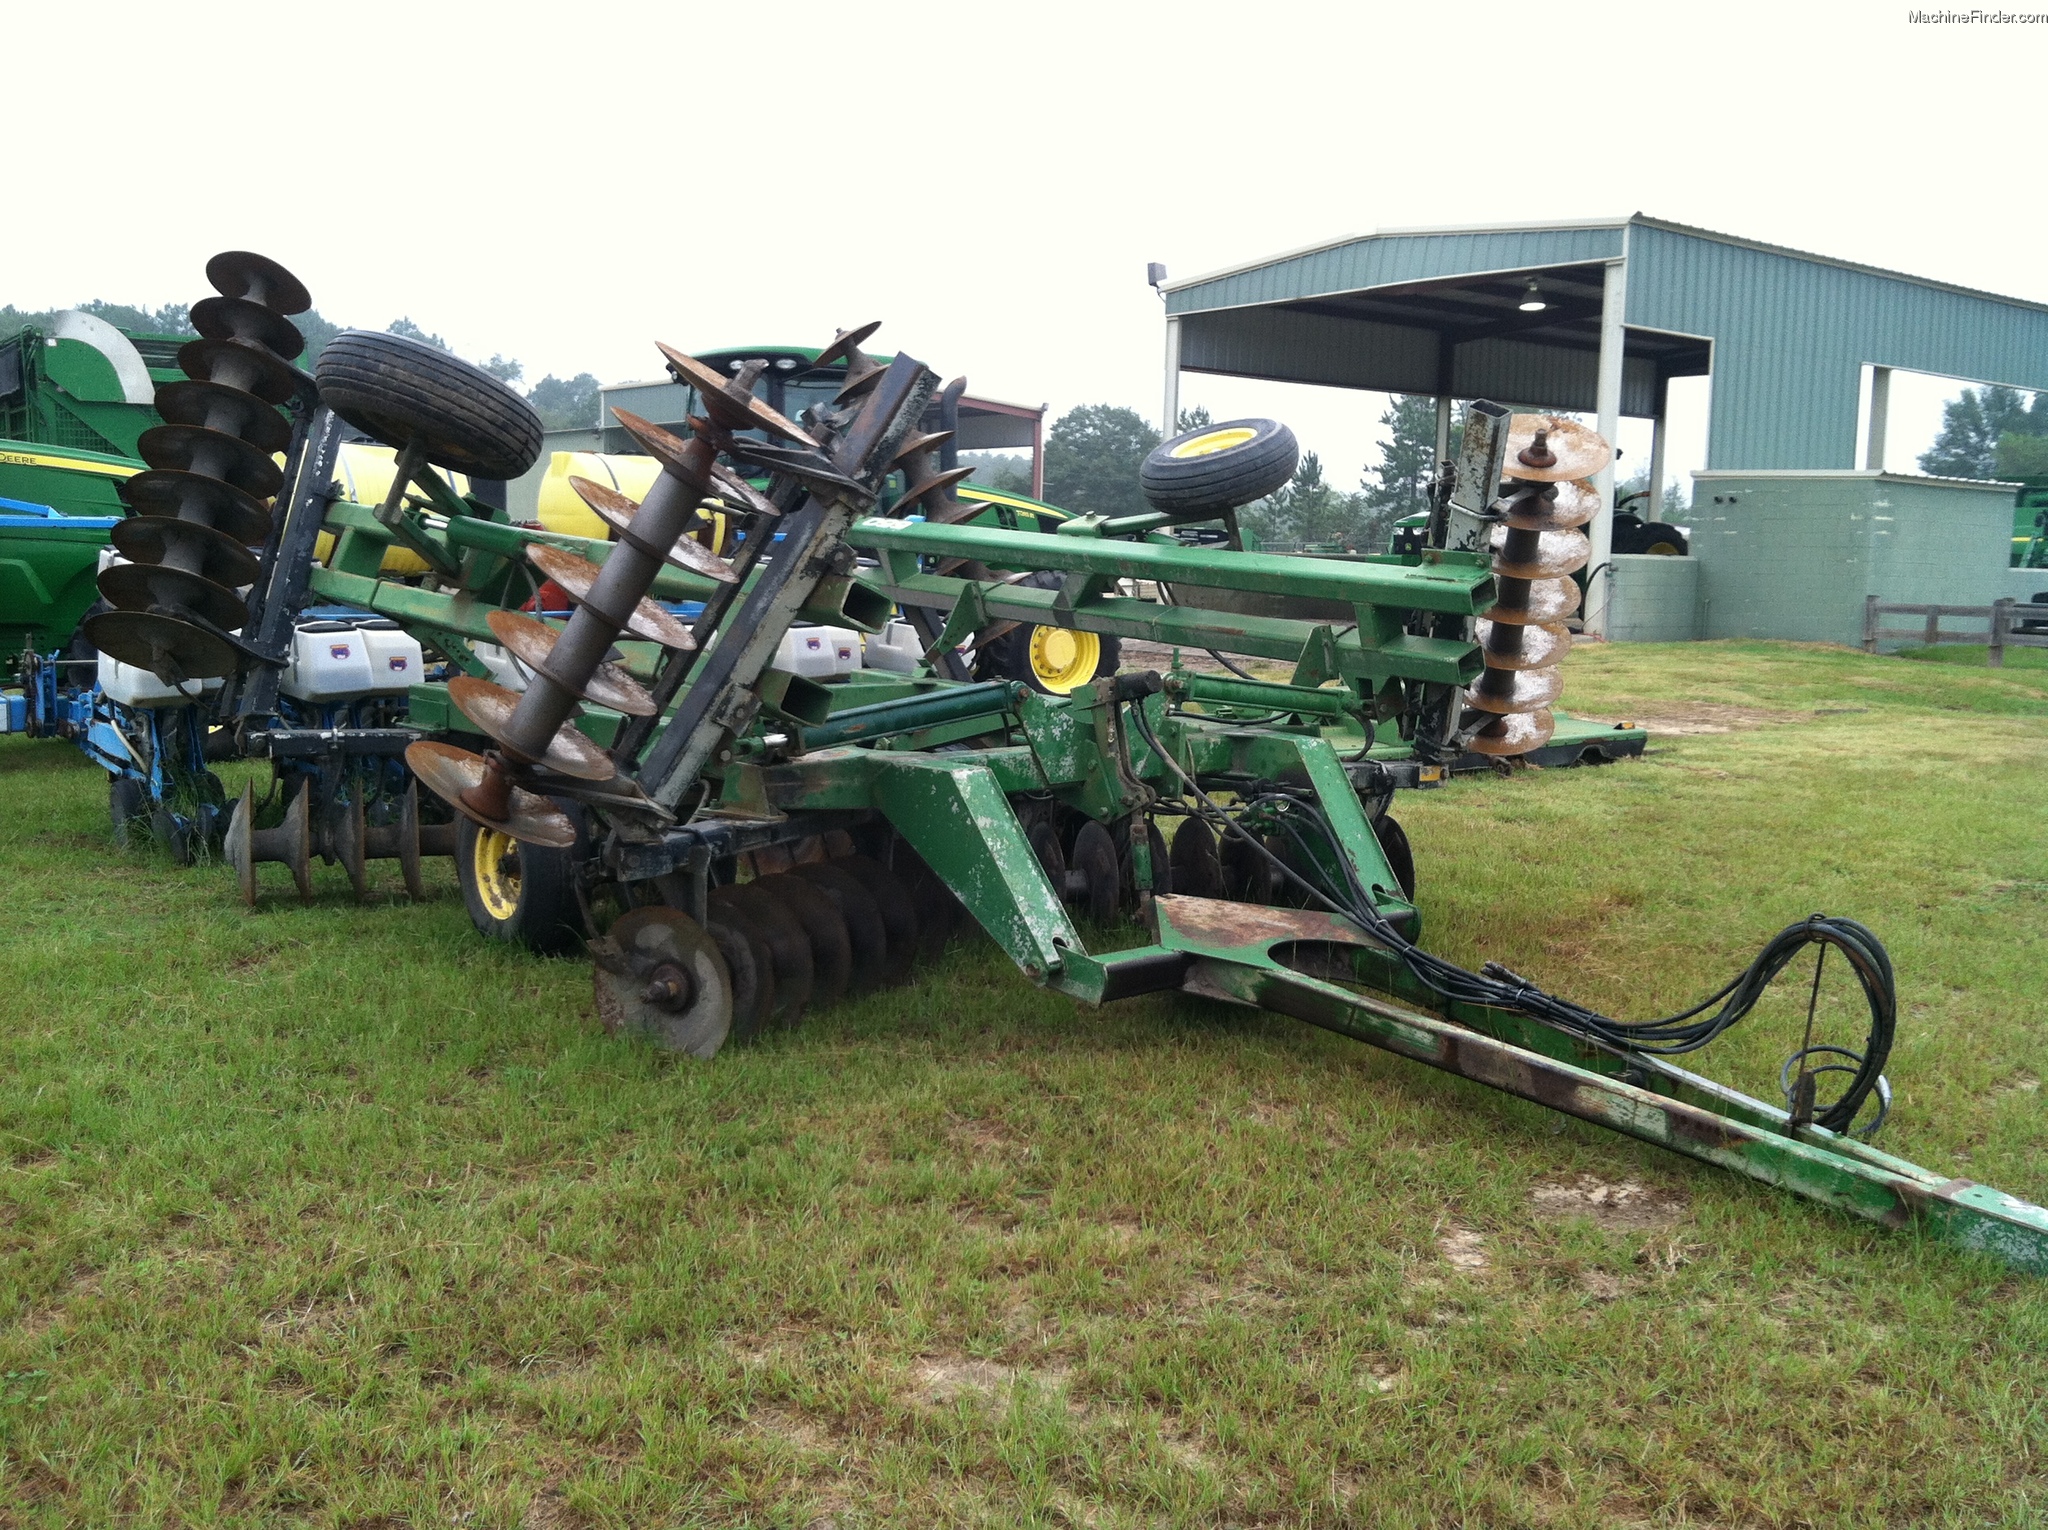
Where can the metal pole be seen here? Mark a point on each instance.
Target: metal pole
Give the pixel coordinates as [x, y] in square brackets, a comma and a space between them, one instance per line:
[1880, 406]
[1443, 429]
[1169, 424]
[1607, 401]
[1657, 443]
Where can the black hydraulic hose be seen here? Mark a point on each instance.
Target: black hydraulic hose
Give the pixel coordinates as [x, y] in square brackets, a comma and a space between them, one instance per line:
[1497, 987]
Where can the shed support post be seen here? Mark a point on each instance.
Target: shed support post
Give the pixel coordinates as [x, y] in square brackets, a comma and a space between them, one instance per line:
[1169, 424]
[1607, 401]
[1443, 432]
[1657, 441]
[1880, 406]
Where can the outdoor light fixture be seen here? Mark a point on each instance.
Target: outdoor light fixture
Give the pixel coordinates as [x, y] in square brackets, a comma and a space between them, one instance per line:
[1155, 273]
[1532, 300]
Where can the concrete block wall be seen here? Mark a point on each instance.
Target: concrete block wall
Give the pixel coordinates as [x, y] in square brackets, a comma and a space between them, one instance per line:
[1794, 554]
[1653, 599]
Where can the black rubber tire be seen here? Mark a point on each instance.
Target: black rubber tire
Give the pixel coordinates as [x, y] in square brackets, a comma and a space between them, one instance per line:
[546, 918]
[401, 390]
[1009, 657]
[1220, 480]
[1658, 535]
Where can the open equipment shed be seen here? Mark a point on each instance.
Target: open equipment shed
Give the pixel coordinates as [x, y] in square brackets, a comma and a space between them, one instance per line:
[1627, 305]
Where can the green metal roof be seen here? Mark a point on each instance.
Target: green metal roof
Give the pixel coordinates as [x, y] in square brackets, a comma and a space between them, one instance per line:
[1784, 333]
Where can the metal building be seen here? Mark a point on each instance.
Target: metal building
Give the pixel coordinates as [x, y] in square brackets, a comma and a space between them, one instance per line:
[1599, 316]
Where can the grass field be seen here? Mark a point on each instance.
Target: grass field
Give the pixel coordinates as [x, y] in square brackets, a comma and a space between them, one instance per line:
[339, 1216]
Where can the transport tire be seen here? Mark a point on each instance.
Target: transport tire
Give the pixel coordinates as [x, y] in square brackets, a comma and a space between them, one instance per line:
[401, 391]
[124, 807]
[1054, 661]
[525, 894]
[1661, 539]
[1219, 467]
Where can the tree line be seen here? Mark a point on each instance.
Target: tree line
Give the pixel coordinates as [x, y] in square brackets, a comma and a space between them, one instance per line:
[1993, 432]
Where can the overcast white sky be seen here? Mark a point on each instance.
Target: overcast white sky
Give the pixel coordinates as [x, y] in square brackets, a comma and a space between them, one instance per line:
[568, 184]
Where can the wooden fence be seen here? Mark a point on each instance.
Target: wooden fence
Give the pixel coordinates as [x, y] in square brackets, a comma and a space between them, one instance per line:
[2003, 620]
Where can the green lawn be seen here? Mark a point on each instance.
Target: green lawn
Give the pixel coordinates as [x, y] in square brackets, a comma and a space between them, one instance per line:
[338, 1216]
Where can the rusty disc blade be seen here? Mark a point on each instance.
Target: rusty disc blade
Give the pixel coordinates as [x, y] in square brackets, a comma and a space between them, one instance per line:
[532, 641]
[660, 975]
[178, 495]
[689, 461]
[732, 409]
[448, 772]
[490, 706]
[1534, 600]
[184, 448]
[846, 344]
[1571, 504]
[1552, 555]
[218, 557]
[1508, 690]
[857, 382]
[172, 650]
[617, 511]
[735, 489]
[1576, 450]
[216, 406]
[248, 367]
[920, 441]
[1517, 734]
[245, 274]
[1522, 645]
[227, 318]
[138, 586]
[578, 575]
[937, 483]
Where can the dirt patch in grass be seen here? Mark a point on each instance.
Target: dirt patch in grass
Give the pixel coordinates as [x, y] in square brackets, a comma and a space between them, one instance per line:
[1625, 1205]
[1699, 717]
[1464, 1249]
[939, 1380]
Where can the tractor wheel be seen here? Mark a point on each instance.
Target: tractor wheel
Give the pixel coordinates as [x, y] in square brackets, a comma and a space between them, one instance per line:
[525, 894]
[1054, 661]
[401, 391]
[1219, 467]
[1661, 539]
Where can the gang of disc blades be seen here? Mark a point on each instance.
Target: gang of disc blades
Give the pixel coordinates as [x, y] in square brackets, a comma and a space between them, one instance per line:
[1542, 645]
[147, 539]
[173, 651]
[577, 575]
[1516, 734]
[178, 447]
[245, 274]
[448, 772]
[248, 367]
[1574, 504]
[532, 641]
[177, 495]
[648, 941]
[831, 945]
[490, 706]
[1515, 690]
[216, 406]
[138, 586]
[789, 948]
[1579, 451]
[1557, 553]
[868, 935]
[1535, 600]
[226, 318]
[618, 512]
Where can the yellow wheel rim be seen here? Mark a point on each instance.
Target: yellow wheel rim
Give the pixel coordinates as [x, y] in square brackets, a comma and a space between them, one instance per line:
[1210, 442]
[1664, 550]
[1062, 659]
[497, 873]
